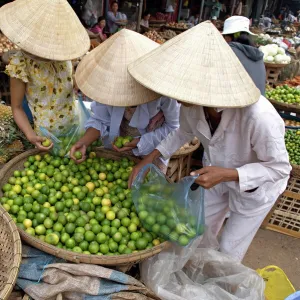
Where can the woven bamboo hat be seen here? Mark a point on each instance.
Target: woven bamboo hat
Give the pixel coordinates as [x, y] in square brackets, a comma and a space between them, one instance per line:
[102, 74]
[46, 28]
[197, 67]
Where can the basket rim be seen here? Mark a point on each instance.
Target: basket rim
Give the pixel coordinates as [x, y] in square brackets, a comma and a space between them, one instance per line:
[273, 65]
[284, 106]
[17, 255]
[111, 260]
[70, 255]
[186, 151]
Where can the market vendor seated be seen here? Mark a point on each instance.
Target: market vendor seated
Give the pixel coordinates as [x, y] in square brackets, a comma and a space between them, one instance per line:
[99, 29]
[246, 164]
[122, 106]
[42, 70]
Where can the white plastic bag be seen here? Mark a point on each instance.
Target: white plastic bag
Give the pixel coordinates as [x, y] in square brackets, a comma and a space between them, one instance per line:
[195, 273]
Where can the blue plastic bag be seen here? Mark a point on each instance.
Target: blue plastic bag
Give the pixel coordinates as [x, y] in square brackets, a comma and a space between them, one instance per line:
[63, 142]
[170, 210]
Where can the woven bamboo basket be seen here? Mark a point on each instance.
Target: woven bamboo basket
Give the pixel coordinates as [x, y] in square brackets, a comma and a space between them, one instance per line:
[128, 259]
[10, 254]
[180, 163]
[285, 107]
[285, 215]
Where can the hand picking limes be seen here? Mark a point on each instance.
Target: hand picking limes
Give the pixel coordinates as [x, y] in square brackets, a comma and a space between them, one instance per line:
[78, 155]
[85, 208]
[46, 143]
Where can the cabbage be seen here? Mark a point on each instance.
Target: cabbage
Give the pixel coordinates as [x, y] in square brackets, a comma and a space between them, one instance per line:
[279, 58]
[272, 49]
[269, 59]
[281, 51]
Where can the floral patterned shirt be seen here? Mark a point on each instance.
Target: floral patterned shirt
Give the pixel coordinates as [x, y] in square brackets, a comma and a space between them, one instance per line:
[49, 90]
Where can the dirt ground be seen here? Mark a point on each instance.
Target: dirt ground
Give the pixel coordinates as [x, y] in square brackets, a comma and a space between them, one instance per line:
[272, 248]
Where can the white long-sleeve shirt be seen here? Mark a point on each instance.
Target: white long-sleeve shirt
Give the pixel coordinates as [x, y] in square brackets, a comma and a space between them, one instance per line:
[249, 139]
[107, 119]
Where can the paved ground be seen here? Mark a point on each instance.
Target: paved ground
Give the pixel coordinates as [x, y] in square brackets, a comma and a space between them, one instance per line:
[272, 248]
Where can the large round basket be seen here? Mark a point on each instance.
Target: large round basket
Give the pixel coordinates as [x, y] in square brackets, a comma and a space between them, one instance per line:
[285, 107]
[10, 254]
[117, 260]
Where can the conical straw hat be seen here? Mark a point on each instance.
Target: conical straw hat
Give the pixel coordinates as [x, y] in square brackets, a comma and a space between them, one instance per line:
[102, 74]
[46, 28]
[197, 67]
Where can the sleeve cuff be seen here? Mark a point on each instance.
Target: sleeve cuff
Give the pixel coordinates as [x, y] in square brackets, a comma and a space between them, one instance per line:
[92, 123]
[243, 179]
[165, 154]
[141, 147]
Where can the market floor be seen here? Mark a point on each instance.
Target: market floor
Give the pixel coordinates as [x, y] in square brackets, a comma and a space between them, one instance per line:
[272, 248]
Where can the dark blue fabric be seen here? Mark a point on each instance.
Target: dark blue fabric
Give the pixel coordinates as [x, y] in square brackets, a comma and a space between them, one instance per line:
[27, 109]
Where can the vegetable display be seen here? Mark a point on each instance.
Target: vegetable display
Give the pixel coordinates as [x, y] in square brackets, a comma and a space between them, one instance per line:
[177, 25]
[293, 82]
[275, 54]
[154, 36]
[86, 208]
[168, 34]
[6, 44]
[284, 94]
[292, 142]
[291, 123]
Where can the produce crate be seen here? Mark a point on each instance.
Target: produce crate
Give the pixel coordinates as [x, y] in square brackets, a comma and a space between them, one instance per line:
[123, 262]
[285, 215]
[10, 254]
[291, 118]
[180, 163]
[273, 72]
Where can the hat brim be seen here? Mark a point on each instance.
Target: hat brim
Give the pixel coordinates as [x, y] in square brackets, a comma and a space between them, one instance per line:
[235, 31]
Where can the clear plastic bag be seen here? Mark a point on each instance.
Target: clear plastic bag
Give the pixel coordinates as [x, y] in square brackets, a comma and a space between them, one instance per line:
[63, 141]
[199, 272]
[171, 210]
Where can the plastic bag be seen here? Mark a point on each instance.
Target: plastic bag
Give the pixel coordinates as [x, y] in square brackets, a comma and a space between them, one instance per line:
[63, 142]
[197, 273]
[278, 286]
[171, 210]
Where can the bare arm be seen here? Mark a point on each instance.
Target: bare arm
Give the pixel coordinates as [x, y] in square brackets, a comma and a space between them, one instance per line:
[17, 88]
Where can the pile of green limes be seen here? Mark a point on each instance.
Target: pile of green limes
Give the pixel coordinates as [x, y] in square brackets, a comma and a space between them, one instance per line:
[284, 94]
[292, 142]
[86, 208]
[160, 213]
[120, 141]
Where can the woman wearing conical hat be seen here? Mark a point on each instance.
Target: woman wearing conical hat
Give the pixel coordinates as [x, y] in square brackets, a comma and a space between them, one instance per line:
[246, 165]
[50, 35]
[123, 107]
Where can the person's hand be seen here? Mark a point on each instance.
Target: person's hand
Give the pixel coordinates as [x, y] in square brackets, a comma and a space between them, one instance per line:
[37, 141]
[128, 146]
[211, 176]
[137, 168]
[81, 147]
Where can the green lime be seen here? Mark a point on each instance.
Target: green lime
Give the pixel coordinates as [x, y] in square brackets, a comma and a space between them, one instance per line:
[89, 236]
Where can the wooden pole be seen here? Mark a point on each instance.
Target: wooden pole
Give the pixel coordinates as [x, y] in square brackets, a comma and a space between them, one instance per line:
[201, 11]
[233, 7]
[179, 11]
[140, 11]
